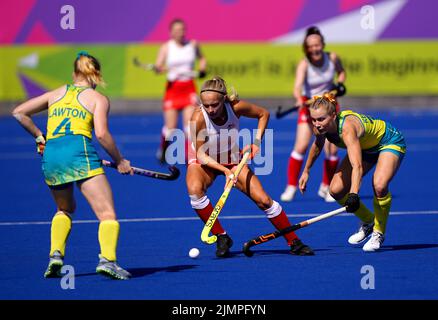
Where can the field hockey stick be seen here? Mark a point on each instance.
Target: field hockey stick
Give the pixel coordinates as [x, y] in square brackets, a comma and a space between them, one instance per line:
[151, 67]
[173, 175]
[220, 204]
[274, 235]
[145, 66]
[282, 113]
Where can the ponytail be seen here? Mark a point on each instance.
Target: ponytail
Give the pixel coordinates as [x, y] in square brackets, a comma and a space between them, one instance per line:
[89, 67]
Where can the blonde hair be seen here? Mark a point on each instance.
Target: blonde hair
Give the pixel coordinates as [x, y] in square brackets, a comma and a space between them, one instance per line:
[327, 100]
[217, 84]
[89, 67]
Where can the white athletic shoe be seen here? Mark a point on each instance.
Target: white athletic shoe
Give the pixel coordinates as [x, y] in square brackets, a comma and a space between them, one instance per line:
[323, 190]
[374, 243]
[329, 198]
[288, 194]
[364, 231]
[324, 193]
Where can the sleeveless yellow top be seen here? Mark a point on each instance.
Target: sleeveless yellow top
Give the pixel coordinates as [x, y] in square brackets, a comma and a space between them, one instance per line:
[374, 130]
[68, 116]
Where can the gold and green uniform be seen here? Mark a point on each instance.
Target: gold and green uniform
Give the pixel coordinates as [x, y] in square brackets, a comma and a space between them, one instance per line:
[69, 154]
[378, 135]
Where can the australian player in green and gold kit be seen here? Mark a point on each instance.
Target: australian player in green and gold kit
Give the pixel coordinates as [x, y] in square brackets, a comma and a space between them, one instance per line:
[69, 157]
[369, 142]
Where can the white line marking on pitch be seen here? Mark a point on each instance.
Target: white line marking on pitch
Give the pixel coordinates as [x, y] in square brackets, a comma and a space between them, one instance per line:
[260, 216]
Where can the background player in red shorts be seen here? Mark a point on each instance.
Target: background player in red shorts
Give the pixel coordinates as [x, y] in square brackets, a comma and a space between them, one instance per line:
[177, 57]
[314, 76]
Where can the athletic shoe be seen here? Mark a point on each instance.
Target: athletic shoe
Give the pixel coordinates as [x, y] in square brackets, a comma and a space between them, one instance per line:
[329, 198]
[111, 269]
[300, 249]
[375, 242]
[323, 190]
[55, 264]
[223, 245]
[364, 231]
[288, 194]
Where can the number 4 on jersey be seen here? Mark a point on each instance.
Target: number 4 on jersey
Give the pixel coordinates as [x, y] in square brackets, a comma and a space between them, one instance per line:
[64, 124]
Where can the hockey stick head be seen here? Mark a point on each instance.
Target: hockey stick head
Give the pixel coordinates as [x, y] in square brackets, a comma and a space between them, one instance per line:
[246, 249]
[136, 61]
[145, 66]
[174, 173]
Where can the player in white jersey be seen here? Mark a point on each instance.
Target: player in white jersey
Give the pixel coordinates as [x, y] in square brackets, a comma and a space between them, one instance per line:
[214, 132]
[315, 75]
[177, 57]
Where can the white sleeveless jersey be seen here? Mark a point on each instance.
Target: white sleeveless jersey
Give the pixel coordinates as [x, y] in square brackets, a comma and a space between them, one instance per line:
[319, 80]
[222, 141]
[180, 61]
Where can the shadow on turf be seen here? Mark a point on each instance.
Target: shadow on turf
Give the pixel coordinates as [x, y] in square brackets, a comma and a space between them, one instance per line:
[142, 272]
[409, 247]
[265, 252]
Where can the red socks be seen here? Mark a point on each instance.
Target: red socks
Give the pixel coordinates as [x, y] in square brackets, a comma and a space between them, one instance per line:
[204, 214]
[329, 169]
[294, 168]
[280, 222]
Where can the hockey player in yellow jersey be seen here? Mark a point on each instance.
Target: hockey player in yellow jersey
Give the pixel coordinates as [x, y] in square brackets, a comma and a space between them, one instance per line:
[369, 142]
[69, 157]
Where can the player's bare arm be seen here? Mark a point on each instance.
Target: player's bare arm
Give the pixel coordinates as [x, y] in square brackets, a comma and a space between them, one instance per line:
[251, 110]
[342, 75]
[350, 135]
[300, 76]
[104, 136]
[315, 151]
[160, 62]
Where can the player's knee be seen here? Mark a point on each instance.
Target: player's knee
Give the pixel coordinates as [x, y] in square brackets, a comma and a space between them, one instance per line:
[64, 212]
[195, 188]
[300, 149]
[264, 202]
[380, 189]
[337, 191]
[106, 215]
[67, 208]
